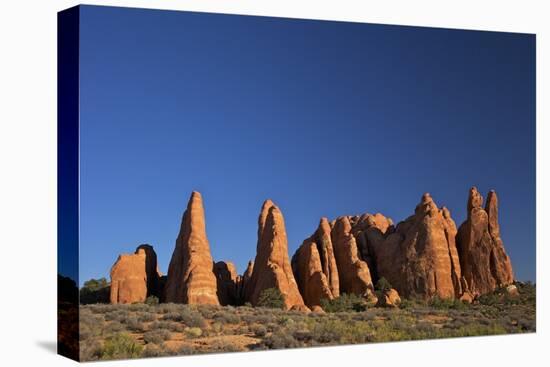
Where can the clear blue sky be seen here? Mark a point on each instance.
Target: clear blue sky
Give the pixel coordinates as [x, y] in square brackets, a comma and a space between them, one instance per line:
[325, 118]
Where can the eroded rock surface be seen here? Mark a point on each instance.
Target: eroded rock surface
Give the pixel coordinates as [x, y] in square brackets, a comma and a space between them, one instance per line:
[353, 273]
[272, 267]
[314, 267]
[134, 277]
[191, 277]
[227, 278]
[419, 258]
[484, 262]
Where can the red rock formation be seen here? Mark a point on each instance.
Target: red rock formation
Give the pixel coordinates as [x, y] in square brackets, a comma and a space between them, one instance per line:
[308, 271]
[315, 268]
[389, 298]
[378, 226]
[484, 262]
[133, 277]
[191, 278]
[243, 283]
[272, 267]
[420, 258]
[328, 260]
[354, 274]
[227, 278]
[151, 270]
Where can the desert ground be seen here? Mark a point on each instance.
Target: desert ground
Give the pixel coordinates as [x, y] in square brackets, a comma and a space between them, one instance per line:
[149, 329]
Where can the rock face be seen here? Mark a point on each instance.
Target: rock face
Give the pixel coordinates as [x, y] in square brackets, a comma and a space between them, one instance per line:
[191, 278]
[375, 225]
[134, 277]
[243, 282]
[152, 271]
[314, 267]
[272, 267]
[227, 278]
[353, 273]
[420, 257]
[389, 298]
[484, 263]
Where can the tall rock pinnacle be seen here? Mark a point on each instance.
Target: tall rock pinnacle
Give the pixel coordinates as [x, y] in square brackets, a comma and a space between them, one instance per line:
[272, 266]
[315, 269]
[484, 262]
[191, 278]
[353, 273]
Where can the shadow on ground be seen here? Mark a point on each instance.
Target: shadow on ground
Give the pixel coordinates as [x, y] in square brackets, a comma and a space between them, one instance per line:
[48, 345]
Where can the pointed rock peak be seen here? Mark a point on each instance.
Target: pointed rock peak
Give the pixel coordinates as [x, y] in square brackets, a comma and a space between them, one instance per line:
[483, 258]
[426, 198]
[343, 224]
[190, 274]
[268, 203]
[446, 212]
[491, 207]
[249, 268]
[426, 205]
[272, 267]
[324, 227]
[266, 207]
[379, 221]
[195, 200]
[492, 201]
[475, 200]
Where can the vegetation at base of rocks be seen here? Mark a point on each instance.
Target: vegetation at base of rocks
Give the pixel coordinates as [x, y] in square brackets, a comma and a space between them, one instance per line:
[121, 346]
[152, 300]
[95, 291]
[446, 304]
[141, 330]
[383, 285]
[156, 336]
[271, 298]
[345, 303]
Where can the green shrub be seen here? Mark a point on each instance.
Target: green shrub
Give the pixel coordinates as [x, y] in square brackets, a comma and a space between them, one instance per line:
[280, 340]
[145, 317]
[383, 285]
[187, 316]
[271, 298]
[137, 307]
[226, 317]
[192, 318]
[153, 350]
[90, 350]
[114, 327]
[186, 350]
[193, 332]
[156, 336]
[208, 311]
[133, 324]
[447, 303]
[121, 346]
[152, 301]
[345, 303]
[166, 325]
[95, 291]
[116, 315]
[259, 330]
[221, 346]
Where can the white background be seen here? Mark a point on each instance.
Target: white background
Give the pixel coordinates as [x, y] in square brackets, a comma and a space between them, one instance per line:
[28, 181]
